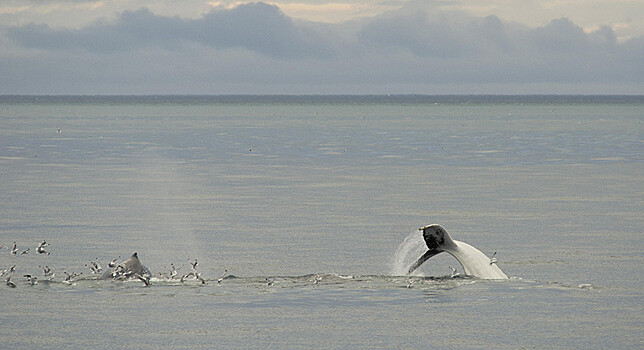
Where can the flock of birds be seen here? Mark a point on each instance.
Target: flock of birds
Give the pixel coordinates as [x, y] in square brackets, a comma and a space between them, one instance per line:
[119, 272]
[17, 252]
[116, 271]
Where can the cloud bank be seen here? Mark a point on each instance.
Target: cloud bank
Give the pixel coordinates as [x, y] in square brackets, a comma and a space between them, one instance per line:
[256, 48]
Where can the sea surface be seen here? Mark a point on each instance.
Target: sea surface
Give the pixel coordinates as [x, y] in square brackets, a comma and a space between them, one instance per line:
[295, 206]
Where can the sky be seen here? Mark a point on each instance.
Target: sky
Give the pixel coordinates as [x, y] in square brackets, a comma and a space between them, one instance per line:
[322, 47]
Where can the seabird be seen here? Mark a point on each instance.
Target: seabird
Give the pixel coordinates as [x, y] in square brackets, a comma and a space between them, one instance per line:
[92, 268]
[493, 259]
[41, 248]
[183, 278]
[113, 262]
[97, 266]
[195, 275]
[145, 279]
[31, 279]
[8, 271]
[9, 283]
[14, 250]
[454, 273]
[69, 277]
[47, 272]
[25, 252]
[222, 276]
[173, 271]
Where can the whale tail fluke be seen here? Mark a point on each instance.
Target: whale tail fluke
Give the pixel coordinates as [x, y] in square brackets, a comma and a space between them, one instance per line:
[473, 261]
[428, 254]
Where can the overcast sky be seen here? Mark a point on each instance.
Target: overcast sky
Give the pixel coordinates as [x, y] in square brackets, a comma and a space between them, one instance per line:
[322, 47]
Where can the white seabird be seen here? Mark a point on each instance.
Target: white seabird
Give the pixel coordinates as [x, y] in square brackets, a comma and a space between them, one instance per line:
[97, 266]
[493, 259]
[33, 280]
[454, 273]
[41, 248]
[222, 276]
[9, 283]
[112, 263]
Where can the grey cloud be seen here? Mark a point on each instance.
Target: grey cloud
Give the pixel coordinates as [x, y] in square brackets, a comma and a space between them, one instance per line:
[256, 26]
[261, 27]
[255, 48]
[491, 33]
[559, 35]
[459, 36]
[563, 36]
[133, 30]
[416, 33]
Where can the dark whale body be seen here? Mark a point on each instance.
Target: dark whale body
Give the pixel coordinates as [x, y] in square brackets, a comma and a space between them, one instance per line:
[130, 268]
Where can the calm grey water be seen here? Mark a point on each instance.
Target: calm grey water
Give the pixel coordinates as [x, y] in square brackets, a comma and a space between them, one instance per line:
[313, 195]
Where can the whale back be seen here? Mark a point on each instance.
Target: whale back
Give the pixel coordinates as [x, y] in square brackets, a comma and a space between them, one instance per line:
[133, 265]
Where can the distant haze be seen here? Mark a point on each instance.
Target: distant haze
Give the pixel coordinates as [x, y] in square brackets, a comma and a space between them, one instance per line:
[320, 47]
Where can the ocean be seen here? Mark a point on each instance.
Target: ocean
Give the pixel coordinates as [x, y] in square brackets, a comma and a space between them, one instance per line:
[295, 207]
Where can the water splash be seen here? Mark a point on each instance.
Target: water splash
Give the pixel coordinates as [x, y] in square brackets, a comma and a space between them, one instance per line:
[412, 248]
